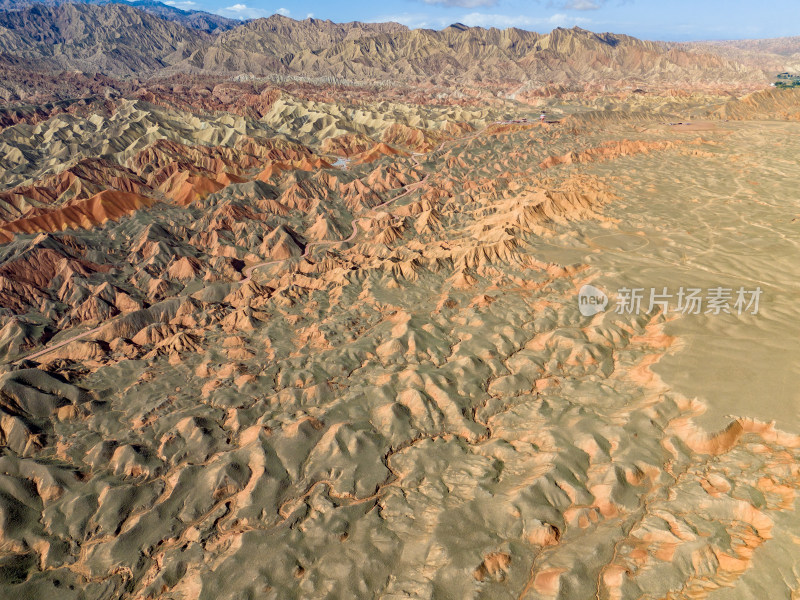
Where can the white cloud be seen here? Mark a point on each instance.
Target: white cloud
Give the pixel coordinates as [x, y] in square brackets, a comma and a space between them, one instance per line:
[581, 5]
[477, 19]
[559, 20]
[283, 11]
[310, 16]
[481, 19]
[242, 11]
[415, 20]
[462, 3]
[181, 4]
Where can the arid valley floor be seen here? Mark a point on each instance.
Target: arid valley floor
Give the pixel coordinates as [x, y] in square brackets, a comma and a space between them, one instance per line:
[284, 341]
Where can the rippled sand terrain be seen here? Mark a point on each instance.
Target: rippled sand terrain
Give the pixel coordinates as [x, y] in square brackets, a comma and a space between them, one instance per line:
[337, 352]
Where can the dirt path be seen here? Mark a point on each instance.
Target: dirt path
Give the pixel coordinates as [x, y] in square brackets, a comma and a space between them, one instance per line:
[63, 343]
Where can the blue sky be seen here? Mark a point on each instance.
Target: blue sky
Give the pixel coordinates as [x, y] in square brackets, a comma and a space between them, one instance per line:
[649, 19]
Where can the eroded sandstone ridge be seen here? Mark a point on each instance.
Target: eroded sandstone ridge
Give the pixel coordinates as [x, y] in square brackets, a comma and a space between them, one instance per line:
[292, 341]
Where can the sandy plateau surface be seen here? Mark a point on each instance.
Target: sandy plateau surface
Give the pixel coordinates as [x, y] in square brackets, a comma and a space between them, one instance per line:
[335, 351]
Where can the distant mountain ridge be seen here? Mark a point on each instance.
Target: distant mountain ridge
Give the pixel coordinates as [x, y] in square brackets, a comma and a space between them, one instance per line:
[123, 41]
[194, 19]
[112, 39]
[776, 54]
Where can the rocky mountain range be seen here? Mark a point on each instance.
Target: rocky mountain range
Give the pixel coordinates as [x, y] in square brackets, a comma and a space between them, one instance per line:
[776, 54]
[147, 40]
[457, 52]
[114, 39]
[194, 19]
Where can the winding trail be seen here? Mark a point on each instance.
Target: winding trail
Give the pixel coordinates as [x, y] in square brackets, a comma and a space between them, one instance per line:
[62, 343]
[248, 271]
